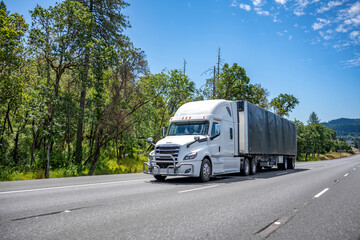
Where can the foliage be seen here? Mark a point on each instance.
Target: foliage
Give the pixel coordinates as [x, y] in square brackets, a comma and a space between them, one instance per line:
[313, 118]
[345, 127]
[284, 104]
[234, 84]
[317, 139]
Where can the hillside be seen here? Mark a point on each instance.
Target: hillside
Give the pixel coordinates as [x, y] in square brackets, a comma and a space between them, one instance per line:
[345, 127]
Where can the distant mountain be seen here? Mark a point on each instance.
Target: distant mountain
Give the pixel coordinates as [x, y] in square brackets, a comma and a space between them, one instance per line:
[345, 127]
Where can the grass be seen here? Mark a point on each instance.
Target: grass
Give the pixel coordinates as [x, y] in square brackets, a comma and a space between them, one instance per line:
[326, 156]
[106, 166]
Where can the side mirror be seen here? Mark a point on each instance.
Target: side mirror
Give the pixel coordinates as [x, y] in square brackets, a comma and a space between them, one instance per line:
[196, 138]
[163, 132]
[150, 140]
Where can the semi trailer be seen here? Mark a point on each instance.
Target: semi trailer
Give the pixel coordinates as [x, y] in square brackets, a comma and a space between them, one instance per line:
[216, 137]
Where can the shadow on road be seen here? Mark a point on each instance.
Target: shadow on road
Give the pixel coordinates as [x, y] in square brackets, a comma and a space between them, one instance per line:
[230, 178]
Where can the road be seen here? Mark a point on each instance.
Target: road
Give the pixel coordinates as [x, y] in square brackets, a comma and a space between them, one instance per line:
[316, 200]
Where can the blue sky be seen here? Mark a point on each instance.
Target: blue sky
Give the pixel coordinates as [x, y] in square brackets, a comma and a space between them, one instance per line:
[308, 48]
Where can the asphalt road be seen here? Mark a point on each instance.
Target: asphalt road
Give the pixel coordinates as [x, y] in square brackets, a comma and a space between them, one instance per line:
[317, 200]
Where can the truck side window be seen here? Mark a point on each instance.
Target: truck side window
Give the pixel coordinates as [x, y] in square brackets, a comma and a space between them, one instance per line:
[231, 133]
[215, 129]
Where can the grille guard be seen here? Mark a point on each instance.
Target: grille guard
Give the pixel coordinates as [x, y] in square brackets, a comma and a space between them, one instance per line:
[151, 166]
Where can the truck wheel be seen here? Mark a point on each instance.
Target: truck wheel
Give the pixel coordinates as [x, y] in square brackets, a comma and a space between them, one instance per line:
[283, 166]
[205, 171]
[291, 163]
[253, 167]
[159, 177]
[246, 168]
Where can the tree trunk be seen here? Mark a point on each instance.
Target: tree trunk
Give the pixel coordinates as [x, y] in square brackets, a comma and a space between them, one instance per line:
[48, 150]
[15, 155]
[79, 134]
[97, 151]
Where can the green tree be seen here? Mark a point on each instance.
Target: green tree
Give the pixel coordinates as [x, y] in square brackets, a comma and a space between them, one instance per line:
[284, 104]
[313, 118]
[12, 31]
[234, 84]
[109, 22]
[59, 36]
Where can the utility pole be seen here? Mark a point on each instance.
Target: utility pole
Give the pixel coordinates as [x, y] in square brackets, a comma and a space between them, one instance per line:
[184, 66]
[214, 83]
[218, 65]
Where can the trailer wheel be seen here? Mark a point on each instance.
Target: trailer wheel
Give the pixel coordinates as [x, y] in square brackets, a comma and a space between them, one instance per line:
[283, 166]
[253, 167]
[245, 171]
[159, 177]
[205, 171]
[291, 163]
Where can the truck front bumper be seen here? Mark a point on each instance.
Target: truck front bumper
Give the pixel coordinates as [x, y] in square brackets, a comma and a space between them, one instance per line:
[176, 169]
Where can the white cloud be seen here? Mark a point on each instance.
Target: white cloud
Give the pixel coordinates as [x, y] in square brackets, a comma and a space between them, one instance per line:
[282, 2]
[256, 2]
[354, 34]
[234, 3]
[354, 9]
[280, 33]
[329, 5]
[245, 7]
[290, 37]
[320, 24]
[261, 12]
[299, 12]
[341, 28]
[325, 36]
[355, 62]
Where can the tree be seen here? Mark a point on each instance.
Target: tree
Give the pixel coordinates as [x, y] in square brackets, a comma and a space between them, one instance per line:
[12, 31]
[284, 104]
[59, 36]
[109, 23]
[234, 84]
[313, 118]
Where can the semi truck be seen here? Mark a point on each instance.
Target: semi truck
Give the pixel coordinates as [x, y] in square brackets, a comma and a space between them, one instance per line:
[215, 137]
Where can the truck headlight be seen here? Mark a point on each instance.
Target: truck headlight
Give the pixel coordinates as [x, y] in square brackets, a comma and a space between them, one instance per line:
[190, 156]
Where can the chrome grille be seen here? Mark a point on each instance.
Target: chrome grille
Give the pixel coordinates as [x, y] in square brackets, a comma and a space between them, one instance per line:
[166, 149]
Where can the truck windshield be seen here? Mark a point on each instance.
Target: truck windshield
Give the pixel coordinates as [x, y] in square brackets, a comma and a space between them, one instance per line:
[188, 128]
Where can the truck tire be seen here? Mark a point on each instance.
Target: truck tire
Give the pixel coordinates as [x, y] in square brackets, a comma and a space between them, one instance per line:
[253, 167]
[205, 171]
[245, 171]
[160, 177]
[283, 166]
[291, 163]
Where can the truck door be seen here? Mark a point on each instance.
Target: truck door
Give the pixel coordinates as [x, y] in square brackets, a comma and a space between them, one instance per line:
[215, 139]
[227, 141]
[215, 147]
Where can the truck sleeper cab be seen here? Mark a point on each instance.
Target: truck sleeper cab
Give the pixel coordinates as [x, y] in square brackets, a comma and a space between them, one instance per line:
[213, 137]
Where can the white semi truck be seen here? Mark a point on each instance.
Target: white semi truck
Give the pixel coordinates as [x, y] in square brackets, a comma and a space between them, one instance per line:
[215, 137]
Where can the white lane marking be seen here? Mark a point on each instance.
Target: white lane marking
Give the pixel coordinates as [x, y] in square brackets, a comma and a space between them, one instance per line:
[321, 193]
[195, 189]
[281, 173]
[354, 169]
[277, 223]
[346, 175]
[71, 186]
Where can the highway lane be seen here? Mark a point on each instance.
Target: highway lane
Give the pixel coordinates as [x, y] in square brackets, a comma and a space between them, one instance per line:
[272, 204]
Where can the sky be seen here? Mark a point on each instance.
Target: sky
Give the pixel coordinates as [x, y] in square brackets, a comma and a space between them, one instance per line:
[308, 48]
